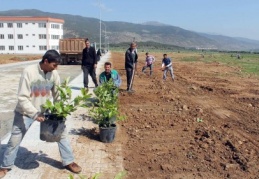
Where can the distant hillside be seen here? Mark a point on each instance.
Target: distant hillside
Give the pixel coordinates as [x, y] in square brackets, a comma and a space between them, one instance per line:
[236, 43]
[118, 32]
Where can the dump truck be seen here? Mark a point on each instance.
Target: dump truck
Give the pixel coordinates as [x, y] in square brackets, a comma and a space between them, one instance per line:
[71, 50]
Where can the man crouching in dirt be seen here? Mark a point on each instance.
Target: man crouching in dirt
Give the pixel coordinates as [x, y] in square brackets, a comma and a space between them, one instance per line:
[28, 109]
[167, 66]
[110, 74]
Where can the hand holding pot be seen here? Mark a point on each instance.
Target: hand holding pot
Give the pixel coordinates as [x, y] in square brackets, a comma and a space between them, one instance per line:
[40, 118]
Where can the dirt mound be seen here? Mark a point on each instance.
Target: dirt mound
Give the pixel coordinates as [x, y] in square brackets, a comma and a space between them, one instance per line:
[203, 125]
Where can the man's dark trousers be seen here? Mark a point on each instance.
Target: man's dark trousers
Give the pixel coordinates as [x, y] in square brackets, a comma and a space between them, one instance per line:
[89, 71]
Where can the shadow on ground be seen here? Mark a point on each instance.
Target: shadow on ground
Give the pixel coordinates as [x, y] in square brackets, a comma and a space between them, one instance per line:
[92, 134]
[28, 160]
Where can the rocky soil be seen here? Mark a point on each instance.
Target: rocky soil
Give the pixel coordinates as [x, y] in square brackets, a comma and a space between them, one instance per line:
[203, 125]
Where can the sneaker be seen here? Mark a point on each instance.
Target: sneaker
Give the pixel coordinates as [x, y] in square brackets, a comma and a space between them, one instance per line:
[73, 167]
[3, 172]
[173, 80]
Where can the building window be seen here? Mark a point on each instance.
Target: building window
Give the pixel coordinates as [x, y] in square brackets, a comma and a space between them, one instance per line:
[33, 46]
[42, 36]
[1, 36]
[9, 25]
[54, 36]
[26, 34]
[11, 48]
[19, 25]
[20, 47]
[2, 47]
[19, 36]
[42, 25]
[43, 47]
[10, 36]
[55, 47]
[1, 25]
[55, 26]
[33, 34]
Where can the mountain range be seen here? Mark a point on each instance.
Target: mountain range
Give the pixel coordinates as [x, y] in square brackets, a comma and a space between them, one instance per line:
[119, 32]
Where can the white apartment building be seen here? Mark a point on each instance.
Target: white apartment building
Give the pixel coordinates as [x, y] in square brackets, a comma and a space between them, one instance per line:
[29, 35]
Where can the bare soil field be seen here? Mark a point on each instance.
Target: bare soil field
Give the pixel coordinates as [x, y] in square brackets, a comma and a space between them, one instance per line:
[205, 124]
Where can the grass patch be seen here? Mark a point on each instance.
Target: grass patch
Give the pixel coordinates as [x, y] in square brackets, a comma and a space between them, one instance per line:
[248, 63]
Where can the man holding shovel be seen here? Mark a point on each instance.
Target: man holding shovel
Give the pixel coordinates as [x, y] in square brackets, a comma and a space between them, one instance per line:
[131, 59]
[167, 66]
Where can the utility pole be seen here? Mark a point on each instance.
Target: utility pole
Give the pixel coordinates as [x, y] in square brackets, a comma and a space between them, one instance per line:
[100, 25]
[105, 44]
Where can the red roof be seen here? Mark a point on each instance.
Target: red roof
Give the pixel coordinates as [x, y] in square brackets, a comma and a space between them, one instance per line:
[30, 18]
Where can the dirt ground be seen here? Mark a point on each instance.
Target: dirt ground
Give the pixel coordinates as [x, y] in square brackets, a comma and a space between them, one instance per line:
[11, 58]
[205, 124]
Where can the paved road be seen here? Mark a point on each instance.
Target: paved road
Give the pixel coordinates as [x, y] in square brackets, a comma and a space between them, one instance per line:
[9, 77]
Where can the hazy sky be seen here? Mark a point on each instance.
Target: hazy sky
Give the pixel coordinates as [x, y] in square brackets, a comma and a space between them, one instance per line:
[234, 18]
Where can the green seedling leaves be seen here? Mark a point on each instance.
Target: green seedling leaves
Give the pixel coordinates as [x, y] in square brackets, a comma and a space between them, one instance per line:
[65, 106]
[199, 119]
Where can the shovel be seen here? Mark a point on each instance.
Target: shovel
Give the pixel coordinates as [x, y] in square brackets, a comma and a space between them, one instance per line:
[132, 79]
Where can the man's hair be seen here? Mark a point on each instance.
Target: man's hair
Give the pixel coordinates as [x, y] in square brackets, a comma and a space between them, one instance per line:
[52, 56]
[147, 53]
[165, 54]
[107, 63]
[133, 44]
[86, 40]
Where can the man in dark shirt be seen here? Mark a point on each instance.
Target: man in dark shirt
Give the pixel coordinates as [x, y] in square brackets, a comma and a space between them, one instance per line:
[98, 54]
[89, 63]
[167, 66]
[131, 59]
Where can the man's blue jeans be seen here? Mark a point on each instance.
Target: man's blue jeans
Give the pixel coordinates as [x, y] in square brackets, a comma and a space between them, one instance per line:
[171, 72]
[148, 66]
[20, 126]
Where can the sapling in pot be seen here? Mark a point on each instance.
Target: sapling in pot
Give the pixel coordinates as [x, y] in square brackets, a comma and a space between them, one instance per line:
[105, 111]
[57, 112]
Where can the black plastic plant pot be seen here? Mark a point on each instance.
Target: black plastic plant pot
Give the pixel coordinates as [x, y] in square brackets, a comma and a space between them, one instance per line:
[52, 128]
[107, 134]
[53, 117]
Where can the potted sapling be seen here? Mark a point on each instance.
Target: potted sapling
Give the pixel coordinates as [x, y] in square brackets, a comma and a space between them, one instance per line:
[105, 110]
[56, 112]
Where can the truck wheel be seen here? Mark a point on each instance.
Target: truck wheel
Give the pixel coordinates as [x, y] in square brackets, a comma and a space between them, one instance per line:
[65, 61]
